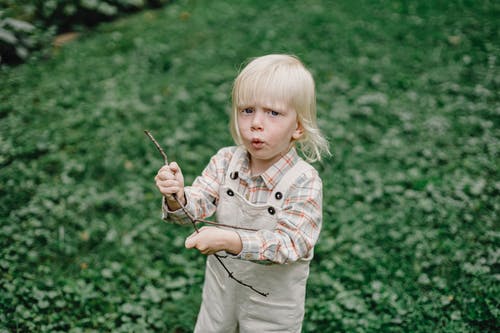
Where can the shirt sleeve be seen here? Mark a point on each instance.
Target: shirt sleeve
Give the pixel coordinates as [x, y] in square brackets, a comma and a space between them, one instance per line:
[297, 229]
[202, 197]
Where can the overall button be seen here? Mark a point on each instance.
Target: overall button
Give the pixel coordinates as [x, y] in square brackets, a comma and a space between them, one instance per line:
[271, 210]
[230, 193]
[233, 175]
[278, 195]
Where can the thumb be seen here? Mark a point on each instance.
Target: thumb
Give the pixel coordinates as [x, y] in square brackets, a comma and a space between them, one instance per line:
[175, 168]
[191, 241]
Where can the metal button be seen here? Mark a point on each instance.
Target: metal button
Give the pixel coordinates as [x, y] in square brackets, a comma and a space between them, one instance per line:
[278, 195]
[234, 175]
[271, 210]
[230, 193]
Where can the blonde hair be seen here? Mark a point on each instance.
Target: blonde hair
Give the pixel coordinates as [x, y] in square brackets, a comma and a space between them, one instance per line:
[276, 79]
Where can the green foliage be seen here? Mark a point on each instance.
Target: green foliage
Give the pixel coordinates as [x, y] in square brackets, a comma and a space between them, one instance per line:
[30, 25]
[407, 94]
[16, 33]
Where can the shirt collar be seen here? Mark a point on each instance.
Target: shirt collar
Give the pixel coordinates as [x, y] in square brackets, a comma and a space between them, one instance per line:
[275, 172]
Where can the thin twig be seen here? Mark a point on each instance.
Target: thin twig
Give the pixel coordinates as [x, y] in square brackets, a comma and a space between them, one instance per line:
[231, 275]
[224, 225]
[165, 159]
[194, 221]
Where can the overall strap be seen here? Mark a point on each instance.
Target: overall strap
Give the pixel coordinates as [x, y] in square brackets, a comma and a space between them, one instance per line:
[280, 190]
[232, 178]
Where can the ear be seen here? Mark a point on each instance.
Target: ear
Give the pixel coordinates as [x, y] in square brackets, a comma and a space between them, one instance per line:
[299, 131]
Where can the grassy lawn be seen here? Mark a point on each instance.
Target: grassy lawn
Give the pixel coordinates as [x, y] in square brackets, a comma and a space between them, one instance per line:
[407, 94]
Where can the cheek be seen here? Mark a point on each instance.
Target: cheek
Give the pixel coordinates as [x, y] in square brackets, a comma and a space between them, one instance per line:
[240, 128]
[241, 123]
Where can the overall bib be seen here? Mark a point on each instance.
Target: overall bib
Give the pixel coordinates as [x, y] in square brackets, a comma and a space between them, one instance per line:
[230, 307]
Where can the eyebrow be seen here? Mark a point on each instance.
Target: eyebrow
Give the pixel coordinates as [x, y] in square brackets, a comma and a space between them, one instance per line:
[274, 107]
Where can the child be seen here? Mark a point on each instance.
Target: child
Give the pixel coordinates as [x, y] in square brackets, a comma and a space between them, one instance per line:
[261, 184]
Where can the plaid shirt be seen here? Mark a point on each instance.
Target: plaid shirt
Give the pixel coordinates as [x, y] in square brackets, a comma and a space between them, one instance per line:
[298, 224]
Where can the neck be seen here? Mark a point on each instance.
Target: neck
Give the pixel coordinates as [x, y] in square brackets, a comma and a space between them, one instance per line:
[258, 167]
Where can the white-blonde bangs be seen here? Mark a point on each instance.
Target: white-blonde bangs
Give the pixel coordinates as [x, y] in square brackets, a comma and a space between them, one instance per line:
[272, 89]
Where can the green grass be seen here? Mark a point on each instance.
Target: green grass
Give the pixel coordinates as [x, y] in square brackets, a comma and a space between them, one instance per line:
[407, 94]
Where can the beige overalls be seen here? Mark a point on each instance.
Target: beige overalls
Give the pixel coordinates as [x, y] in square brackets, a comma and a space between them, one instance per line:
[230, 307]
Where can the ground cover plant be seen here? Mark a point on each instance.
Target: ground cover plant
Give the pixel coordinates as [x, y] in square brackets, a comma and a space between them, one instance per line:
[407, 94]
[31, 25]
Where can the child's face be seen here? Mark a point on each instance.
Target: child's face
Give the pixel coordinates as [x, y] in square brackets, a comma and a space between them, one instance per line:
[267, 132]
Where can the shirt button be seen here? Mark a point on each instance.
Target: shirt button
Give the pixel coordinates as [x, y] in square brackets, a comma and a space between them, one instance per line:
[230, 193]
[278, 195]
[271, 210]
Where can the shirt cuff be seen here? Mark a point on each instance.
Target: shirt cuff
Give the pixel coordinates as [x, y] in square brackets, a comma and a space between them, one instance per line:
[177, 216]
[251, 245]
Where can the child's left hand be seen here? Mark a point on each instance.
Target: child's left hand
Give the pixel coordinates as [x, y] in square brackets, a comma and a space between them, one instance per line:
[210, 240]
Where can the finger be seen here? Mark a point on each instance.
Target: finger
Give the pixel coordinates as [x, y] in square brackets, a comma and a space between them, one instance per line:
[203, 247]
[165, 175]
[160, 176]
[164, 184]
[207, 252]
[164, 168]
[191, 241]
[169, 183]
[174, 167]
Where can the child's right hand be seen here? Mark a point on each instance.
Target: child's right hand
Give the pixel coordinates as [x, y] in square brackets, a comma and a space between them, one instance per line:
[170, 181]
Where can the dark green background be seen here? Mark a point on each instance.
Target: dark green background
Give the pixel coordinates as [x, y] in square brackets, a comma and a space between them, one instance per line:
[407, 94]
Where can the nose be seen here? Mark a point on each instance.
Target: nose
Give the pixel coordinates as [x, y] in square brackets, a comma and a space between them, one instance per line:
[257, 120]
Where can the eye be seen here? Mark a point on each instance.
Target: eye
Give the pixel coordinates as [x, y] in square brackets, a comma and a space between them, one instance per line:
[247, 110]
[274, 113]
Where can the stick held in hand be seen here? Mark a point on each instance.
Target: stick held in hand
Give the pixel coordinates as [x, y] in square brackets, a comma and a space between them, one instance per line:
[194, 221]
[160, 149]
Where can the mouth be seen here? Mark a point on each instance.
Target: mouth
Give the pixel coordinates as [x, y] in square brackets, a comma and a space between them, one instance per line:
[257, 143]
